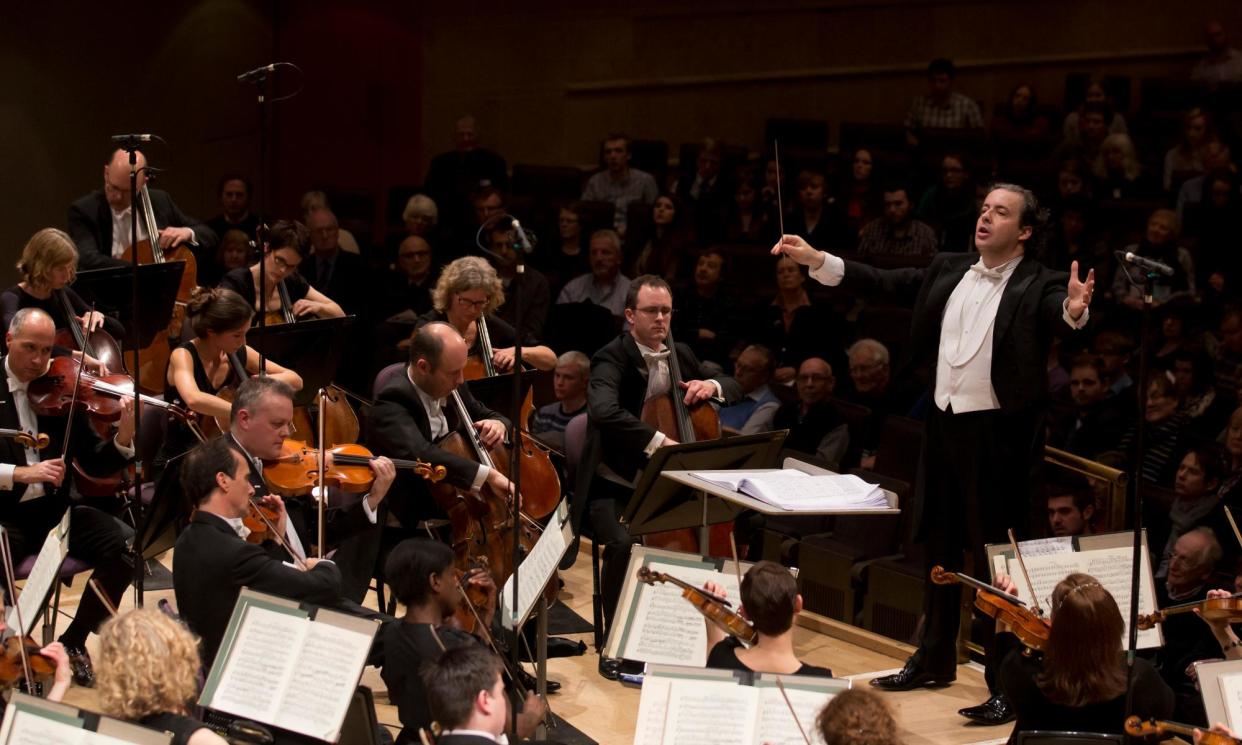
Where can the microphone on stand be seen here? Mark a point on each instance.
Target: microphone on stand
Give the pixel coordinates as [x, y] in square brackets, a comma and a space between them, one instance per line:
[521, 236]
[257, 73]
[1142, 262]
[131, 139]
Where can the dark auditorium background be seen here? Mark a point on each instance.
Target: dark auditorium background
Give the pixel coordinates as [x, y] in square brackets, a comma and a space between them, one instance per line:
[384, 80]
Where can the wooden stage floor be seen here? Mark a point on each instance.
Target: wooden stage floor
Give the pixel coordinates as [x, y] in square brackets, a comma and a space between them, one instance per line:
[605, 710]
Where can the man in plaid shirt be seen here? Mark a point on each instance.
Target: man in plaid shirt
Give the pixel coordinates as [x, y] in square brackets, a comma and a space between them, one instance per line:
[941, 107]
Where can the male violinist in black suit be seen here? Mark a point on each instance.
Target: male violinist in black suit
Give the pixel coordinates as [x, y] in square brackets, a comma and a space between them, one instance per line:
[35, 485]
[100, 222]
[985, 322]
[411, 414]
[625, 373]
[259, 423]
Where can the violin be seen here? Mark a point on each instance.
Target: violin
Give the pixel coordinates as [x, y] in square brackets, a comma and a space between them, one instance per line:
[473, 597]
[1213, 609]
[99, 396]
[25, 439]
[714, 608]
[296, 470]
[257, 520]
[1030, 628]
[1136, 727]
[11, 672]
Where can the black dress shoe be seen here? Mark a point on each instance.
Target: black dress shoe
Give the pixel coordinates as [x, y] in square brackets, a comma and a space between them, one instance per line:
[80, 663]
[911, 677]
[529, 683]
[609, 668]
[994, 711]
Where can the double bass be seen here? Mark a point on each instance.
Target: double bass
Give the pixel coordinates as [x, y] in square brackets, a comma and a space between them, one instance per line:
[154, 357]
[670, 415]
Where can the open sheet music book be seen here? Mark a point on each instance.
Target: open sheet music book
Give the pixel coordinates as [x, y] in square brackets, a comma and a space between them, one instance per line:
[29, 720]
[1220, 683]
[795, 490]
[688, 706]
[42, 578]
[289, 666]
[1107, 557]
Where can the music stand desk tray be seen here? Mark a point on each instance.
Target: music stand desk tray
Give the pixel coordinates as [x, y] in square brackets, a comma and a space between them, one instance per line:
[748, 502]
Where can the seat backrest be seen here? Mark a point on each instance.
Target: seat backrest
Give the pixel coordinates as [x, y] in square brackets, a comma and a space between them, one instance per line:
[575, 437]
[386, 376]
[154, 426]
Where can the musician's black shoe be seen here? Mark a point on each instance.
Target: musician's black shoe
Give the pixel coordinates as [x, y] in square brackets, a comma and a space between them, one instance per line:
[80, 663]
[996, 710]
[609, 668]
[912, 677]
[529, 683]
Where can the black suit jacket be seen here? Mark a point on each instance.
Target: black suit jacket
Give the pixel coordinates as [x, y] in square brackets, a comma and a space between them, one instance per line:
[398, 427]
[616, 436]
[1029, 314]
[348, 284]
[97, 457]
[212, 564]
[90, 226]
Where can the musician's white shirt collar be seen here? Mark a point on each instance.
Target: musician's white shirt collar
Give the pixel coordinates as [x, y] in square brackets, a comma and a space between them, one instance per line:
[439, 425]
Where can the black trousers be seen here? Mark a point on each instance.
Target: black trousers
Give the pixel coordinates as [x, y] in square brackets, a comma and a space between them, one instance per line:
[977, 476]
[95, 537]
[604, 515]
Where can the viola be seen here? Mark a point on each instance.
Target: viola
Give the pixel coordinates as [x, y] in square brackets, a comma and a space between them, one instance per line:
[474, 599]
[1031, 629]
[11, 671]
[1136, 727]
[26, 439]
[714, 608]
[98, 396]
[295, 472]
[1212, 609]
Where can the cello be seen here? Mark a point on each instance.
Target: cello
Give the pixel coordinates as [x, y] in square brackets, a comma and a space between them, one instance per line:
[154, 357]
[670, 415]
[98, 344]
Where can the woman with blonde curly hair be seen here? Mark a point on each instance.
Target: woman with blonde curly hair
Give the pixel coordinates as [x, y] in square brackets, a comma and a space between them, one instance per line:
[49, 262]
[469, 291]
[856, 717]
[147, 669]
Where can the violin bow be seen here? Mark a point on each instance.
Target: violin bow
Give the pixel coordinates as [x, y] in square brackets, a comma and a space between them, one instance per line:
[1017, 552]
[280, 539]
[6, 554]
[1233, 524]
[73, 405]
[781, 685]
[323, 465]
[103, 597]
[780, 208]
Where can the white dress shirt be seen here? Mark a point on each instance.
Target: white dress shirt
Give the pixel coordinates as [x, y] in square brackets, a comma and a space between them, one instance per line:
[964, 361]
[121, 230]
[439, 427]
[659, 380]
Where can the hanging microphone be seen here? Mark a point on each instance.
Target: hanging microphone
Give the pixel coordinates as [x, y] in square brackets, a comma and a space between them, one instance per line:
[257, 73]
[1150, 265]
[123, 139]
[521, 235]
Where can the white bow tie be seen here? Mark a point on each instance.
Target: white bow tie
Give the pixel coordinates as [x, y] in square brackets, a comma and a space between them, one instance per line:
[651, 357]
[989, 273]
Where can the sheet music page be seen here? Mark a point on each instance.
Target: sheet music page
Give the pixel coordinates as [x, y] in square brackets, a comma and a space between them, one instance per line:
[1045, 546]
[777, 725]
[260, 664]
[31, 729]
[722, 713]
[667, 629]
[795, 490]
[731, 479]
[329, 664]
[38, 586]
[1231, 692]
[537, 568]
[652, 707]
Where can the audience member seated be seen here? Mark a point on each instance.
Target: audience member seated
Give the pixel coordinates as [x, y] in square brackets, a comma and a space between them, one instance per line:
[1164, 436]
[535, 297]
[1206, 411]
[856, 717]
[1187, 155]
[1115, 348]
[860, 198]
[1091, 130]
[1098, 421]
[1095, 98]
[770, 601]
[665, 246]
[795, 328]
[1160, 243]
[407, 284]
[1173, 336]
[1194, 490]
[1080, 682]
[1213, 221]
[949, 206]
[1187, 639]
[942, 107]
[1227, 362]
[705, 196]
[331, 269]
[1222, 63]
[234, 252]
[605, 284]
[487, 205]
[468, 697]
[569, 382]
[1073, 180]
[454, 175]
[148, 674]
[314, 201]
[1117, 171]
[1216, 157]
[871, 374]
[618, 183]
[421, 217]
[753, 414]
[1019, 117]
[234, 194]
[705, 315]
[810, 216]
[897, 233]
[815, 427]
[1074, 238]
[567, 257]
[746, 218]
[1071, 507]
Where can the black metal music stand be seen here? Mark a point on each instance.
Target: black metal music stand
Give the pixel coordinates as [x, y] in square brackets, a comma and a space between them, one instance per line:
[313, 348]
[109, 290]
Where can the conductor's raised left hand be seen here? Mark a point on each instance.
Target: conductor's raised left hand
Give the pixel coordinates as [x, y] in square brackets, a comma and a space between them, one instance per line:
[1079, 291]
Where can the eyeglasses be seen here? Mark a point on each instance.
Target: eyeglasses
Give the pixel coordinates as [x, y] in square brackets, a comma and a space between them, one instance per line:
[472, 304]
[814, 377]
[865, 367]
[281, 264]
[656, 311]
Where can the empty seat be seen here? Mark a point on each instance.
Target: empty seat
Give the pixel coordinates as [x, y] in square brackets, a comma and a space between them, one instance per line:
[547, 182]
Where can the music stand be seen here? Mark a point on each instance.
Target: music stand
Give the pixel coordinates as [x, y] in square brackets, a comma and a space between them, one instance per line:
[496, 392]
[313, 348]
[661, 504]
[165, 516]
[110, 290]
